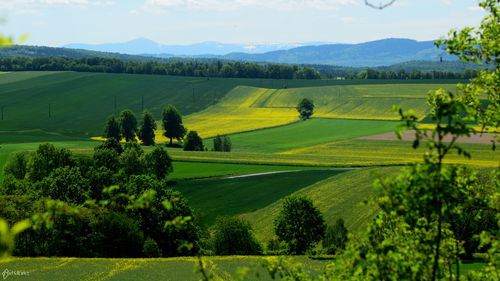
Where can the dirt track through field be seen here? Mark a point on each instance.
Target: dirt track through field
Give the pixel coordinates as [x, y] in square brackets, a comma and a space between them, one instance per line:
[410, 136]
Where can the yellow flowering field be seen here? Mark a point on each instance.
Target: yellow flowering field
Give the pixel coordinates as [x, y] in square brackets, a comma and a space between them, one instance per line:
[343, 153]
[181, 268]
[249, 108]
[237, 112]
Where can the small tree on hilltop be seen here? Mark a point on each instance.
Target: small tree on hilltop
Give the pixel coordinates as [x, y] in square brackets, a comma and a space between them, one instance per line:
[193, 142]
[172, 123]
[147, 130]
[112, 129]
[128, 124]
[305, 108]
[300, 224]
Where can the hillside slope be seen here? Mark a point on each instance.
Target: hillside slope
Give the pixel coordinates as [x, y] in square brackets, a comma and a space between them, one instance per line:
[339, 196]
[248, 108]
[81, 102]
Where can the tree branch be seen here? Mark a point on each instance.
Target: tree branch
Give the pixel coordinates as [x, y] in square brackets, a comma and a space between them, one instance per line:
[379, 6]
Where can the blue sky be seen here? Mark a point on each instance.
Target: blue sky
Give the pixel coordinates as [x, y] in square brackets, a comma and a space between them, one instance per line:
[60, 22]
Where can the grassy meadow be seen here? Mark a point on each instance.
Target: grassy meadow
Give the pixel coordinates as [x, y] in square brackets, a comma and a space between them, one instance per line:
[245, 194]
[310, 132]
[176, 269]
[343, 153]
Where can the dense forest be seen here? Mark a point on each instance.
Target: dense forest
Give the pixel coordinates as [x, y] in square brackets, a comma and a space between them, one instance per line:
[215, 69]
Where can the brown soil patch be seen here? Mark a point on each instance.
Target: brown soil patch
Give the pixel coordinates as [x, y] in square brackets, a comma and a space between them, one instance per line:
[410, 136]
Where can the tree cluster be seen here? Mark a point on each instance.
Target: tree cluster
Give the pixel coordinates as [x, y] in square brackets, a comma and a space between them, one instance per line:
[222, 143]
[109, 176]
[370, 73]
[197, 69]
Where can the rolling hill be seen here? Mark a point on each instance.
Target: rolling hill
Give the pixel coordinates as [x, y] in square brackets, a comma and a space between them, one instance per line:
[248, 108]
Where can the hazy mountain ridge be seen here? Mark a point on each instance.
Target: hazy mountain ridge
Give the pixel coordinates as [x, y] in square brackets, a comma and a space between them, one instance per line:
[368, 54]
[143, 46]
[374, 53]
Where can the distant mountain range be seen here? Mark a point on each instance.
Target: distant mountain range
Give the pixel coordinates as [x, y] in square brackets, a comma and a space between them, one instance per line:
[374, 53]
[143, 46]
[369, 54]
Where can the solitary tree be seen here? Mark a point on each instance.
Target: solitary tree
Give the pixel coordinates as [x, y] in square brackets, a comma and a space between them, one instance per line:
[128, 124]
[112, 129]
[299, 224]
[147, 130]
[305, 108]
[193, 142]
[172, 123]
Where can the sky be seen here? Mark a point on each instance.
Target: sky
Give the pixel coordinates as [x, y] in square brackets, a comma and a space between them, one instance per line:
[180, 22]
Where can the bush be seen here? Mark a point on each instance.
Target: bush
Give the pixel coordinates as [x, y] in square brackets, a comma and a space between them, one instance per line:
[234, 236]
[121, 236]
[158, 162]
[193, 142]
[16, 165]
[222, 143]
[46, 159]
[335, 237]
[151, 249]
[65, 184]
[112, 144]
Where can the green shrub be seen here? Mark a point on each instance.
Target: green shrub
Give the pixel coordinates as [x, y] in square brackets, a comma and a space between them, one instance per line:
[193, 142]
[151, 249]
[335, 237]
[234, 236]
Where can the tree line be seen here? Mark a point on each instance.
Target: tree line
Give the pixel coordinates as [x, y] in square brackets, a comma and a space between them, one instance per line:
[196, 69]
[370, 73]
[126, 127]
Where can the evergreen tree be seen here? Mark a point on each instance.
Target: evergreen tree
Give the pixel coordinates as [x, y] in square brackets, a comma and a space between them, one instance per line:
[128, 124]
[112, 129]
[172, 123]
[193, 142]
[147, 130]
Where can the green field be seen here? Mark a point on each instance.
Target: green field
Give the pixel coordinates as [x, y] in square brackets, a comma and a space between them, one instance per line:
[338, 196]
[81, 102]
[310, 132]
[247, 108]
[192, 170]
[344, 153]
[233, 196]
[175, 269]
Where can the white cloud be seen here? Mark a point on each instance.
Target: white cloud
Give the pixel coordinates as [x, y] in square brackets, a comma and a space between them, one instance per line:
[151, 5]
[27, 12]
[23, 5]
[353, 20]
[475, 8]
[133, 12]
[447, 2]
